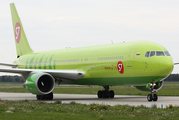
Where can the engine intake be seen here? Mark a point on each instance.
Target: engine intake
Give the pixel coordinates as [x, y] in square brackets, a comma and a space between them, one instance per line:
[40, 83]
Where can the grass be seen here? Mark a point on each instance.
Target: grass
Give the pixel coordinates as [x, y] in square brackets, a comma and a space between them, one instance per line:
[168, 89]
[49, 111]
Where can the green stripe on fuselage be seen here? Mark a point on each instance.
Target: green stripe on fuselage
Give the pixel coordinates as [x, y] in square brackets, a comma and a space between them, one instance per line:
[116, 81]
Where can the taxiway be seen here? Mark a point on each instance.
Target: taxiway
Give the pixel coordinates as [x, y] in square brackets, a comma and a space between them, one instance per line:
[89, 99]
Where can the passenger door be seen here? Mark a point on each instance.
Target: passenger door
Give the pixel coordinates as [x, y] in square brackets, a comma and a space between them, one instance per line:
[129, 58]
[92, 60]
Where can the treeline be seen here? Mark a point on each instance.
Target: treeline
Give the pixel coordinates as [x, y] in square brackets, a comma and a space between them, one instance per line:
[8, 78]
[172, 78]
[19, 79]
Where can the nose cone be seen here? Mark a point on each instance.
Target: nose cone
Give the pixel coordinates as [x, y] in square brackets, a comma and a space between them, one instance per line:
[166, 65]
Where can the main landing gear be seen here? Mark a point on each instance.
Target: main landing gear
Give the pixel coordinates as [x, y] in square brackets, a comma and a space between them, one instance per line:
[45, 97]
[105, 93]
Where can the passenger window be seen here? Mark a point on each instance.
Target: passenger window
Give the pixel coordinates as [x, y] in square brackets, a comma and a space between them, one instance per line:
[152, 53]
[147, 54]
[159, 53]
[167, 53]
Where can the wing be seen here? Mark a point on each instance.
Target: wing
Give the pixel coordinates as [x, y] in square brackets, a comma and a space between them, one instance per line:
[62, 74]
[9, 64]
[176, 63]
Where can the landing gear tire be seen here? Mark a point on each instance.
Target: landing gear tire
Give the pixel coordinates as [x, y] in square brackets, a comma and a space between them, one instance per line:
[105, 93]
[38, 97]
[155, 97]
[100, 94]
[45, 97]
[149, 97]
[111, 94]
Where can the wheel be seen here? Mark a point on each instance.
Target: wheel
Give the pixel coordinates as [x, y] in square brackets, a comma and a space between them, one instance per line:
[111, 94]
[42, 97]
[105, 94]
[155, 97]
[38, 97]
[149, 97]
[49, 96]
[45, 97]
[100, 94]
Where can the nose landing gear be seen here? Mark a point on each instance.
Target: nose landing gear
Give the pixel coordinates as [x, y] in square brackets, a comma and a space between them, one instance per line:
[152, 96]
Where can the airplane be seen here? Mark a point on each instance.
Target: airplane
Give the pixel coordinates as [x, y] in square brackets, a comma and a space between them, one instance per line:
[142, 64]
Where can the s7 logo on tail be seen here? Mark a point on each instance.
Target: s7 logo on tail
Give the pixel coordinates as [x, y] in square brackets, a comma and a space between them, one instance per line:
[17, 32]
[120, 67]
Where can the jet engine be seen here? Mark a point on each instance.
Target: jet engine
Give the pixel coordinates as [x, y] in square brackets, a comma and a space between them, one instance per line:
[154, 87]
[40, 83]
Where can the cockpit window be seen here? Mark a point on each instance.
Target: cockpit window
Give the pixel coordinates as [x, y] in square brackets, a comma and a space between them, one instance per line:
[147, 54]
[167, 53]
[156, 53]
[152, 53]
[160, 53]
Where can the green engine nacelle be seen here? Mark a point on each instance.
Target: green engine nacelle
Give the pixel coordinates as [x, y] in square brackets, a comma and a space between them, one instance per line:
[40, 83]
[146, 88]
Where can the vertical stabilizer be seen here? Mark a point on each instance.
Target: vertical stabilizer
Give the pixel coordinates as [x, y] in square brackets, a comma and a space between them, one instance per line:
[22, 45]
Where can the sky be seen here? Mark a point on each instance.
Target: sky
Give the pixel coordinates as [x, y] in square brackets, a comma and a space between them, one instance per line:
[57, 24]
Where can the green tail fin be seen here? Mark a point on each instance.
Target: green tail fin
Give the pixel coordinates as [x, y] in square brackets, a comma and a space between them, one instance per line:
[22, 45]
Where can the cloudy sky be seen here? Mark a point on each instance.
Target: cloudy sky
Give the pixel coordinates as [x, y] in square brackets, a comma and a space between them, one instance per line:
[57, 24]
